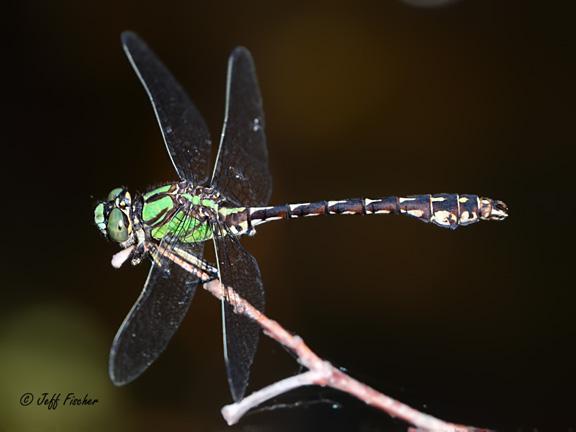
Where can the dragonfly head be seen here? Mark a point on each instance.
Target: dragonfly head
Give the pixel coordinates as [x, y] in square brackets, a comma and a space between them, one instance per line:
[493, 209]
[113, 218]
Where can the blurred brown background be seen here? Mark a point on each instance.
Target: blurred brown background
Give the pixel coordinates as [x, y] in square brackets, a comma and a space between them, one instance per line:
[362, 99]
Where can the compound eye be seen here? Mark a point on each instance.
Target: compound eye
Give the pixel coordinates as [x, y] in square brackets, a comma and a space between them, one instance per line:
[114, 193]
[117, 226]
[99, 218]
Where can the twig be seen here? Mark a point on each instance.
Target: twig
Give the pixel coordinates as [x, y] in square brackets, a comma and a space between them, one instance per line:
[232, 413]
[320, 372]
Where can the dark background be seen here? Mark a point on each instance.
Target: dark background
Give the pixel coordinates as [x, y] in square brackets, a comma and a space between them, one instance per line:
[362, 99]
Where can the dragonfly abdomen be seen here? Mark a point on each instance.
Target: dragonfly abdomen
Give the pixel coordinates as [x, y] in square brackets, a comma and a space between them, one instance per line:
[444, 210]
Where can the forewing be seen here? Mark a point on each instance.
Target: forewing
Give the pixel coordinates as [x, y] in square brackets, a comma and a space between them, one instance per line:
[241, 171]
[184, 131]
[239, 270]
[153, 319]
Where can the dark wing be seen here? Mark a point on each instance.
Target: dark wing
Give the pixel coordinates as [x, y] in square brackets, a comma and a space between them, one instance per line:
[183, 128]
[153, 319]
[241, 172]
[239, 270]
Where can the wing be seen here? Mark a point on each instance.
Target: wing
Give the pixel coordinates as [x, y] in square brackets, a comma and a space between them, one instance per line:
[153, 319]
[184, 131]
[241, 171]
[239, 270]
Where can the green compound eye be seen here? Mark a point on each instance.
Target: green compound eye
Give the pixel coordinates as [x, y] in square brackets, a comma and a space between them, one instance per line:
[99, 217]
[117, 226]
[114, 193]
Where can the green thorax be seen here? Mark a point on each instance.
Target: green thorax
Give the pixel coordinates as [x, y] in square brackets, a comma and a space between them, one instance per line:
[183, 211]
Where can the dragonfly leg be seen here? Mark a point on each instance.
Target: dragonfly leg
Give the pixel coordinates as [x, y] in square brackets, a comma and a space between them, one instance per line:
[199, 267]
[197, 262]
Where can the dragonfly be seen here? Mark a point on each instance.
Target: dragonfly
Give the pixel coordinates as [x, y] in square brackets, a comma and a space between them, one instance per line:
[170, 224]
